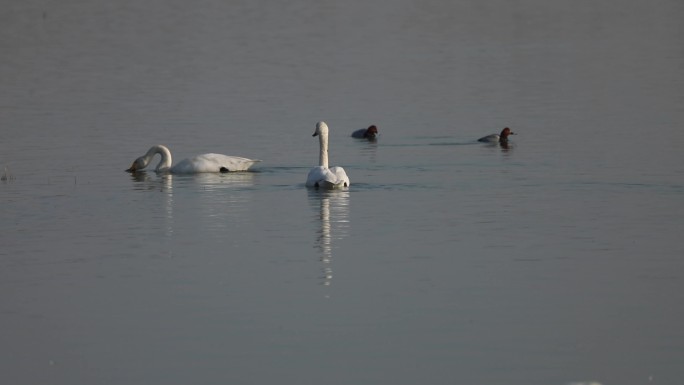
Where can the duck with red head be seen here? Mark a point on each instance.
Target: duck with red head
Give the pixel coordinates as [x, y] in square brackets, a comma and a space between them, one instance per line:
[497, 138]
[369, 133]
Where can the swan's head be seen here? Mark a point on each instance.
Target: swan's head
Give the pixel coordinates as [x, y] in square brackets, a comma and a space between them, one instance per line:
[371, 132]
[321, 129]
[505, 132]
[138, 165]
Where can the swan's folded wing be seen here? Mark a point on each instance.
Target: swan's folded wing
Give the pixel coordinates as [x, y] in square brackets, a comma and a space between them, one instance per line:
[325, 178]
[213, 163]
[341, 176]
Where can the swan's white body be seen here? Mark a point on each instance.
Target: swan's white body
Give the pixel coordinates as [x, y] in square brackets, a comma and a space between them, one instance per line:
[197, 164]
[322, 176]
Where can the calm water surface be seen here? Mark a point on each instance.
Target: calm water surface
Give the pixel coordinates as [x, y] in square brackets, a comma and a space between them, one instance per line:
[557, 260]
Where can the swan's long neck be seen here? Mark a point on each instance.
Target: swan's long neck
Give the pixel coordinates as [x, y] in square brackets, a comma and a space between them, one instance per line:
[166, 160]
[323, 156]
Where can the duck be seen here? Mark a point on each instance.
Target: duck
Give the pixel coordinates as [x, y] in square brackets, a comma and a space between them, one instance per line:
[322, 176]
[497, 138]
[197, 164]
[369, 133]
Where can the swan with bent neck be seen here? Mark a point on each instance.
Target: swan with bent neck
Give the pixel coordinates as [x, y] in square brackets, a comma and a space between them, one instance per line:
[322, 176]
[196, 164]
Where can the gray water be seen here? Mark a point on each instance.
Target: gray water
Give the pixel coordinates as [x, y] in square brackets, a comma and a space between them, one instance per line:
[557, 260]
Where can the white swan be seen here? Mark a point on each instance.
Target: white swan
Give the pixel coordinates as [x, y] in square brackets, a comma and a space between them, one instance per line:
[197, 164]
[322, 176]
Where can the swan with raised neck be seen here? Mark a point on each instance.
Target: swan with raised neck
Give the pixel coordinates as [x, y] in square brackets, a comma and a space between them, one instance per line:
[323, 176]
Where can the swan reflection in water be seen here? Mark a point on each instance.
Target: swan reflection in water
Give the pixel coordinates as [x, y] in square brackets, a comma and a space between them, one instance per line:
[333, 206]
[204, 191]
[213, 181]
[162, 183]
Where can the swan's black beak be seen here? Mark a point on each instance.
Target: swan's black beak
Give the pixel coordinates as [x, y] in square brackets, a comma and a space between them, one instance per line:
[132, 168]
[315, 133]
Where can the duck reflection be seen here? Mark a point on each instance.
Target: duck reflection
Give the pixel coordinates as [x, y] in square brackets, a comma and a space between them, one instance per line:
[369, 150]
[334, 220]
